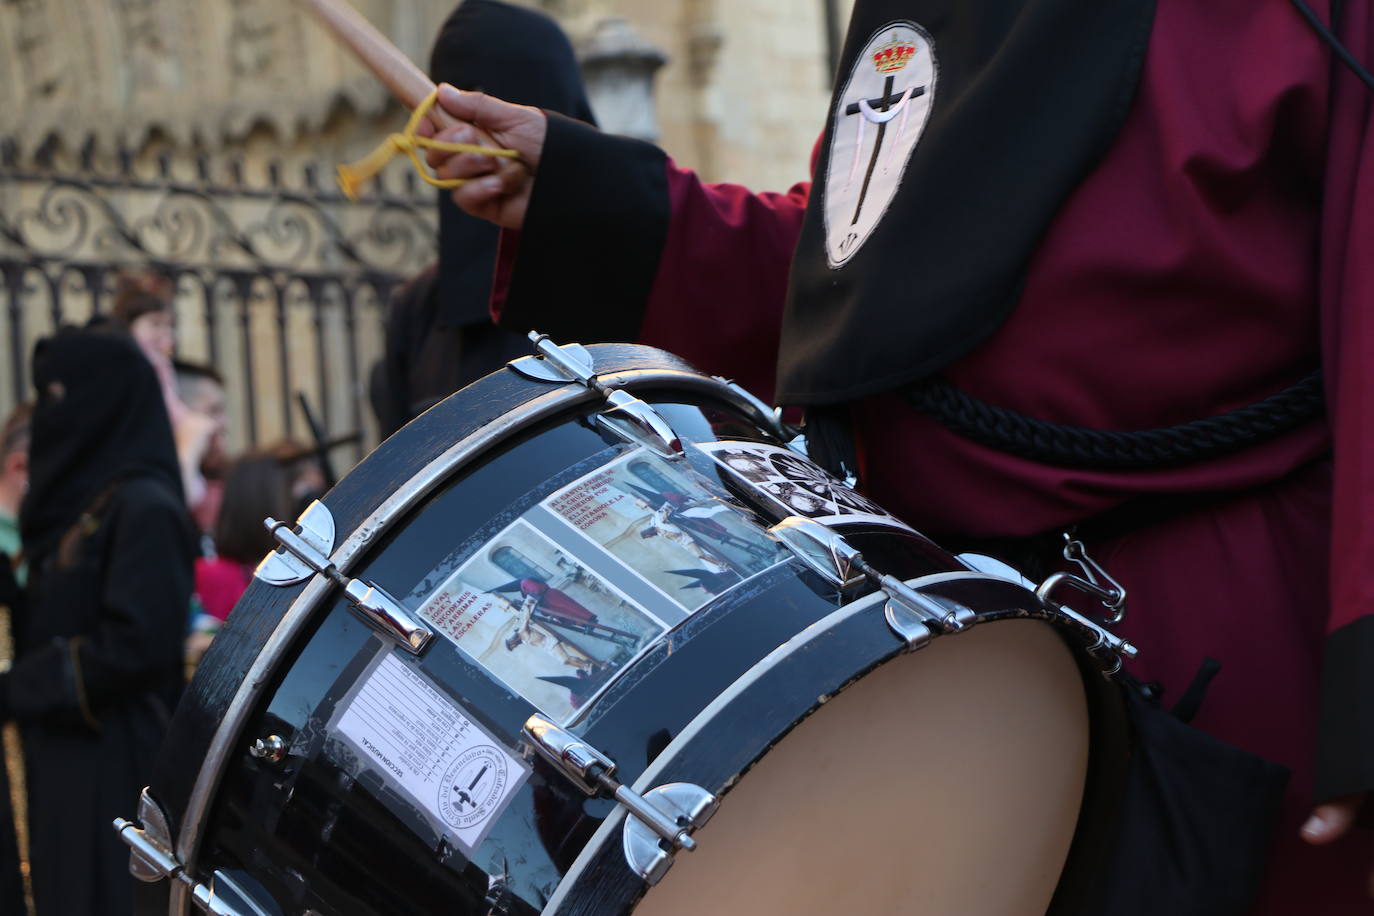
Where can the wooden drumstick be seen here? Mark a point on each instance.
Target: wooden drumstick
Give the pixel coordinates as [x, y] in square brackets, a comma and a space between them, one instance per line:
[397, 72]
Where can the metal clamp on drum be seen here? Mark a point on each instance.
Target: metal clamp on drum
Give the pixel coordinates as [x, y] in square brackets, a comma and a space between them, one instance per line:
[151, 859]
[1096, 582]
[626, 415]
[316, 528]
[658, 823]
[371, 601]
[913, 616]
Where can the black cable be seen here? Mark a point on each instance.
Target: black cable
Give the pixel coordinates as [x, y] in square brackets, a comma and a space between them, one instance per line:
[1339, 49]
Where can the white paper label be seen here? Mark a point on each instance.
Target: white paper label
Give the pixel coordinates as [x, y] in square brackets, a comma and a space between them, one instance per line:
[457, 773]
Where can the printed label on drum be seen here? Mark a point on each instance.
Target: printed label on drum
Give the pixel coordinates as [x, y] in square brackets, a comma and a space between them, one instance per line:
[540, 620]
[668, 525]
[423, 744]
[796, 485]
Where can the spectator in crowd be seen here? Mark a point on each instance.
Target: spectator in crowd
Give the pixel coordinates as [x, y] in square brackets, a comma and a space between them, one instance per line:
[276, 482]
[143, 307]
[14, 480]
[258, 486]
[98, 661]
[201, 389]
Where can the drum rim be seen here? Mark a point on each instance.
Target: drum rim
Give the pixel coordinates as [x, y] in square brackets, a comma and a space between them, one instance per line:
[377, 523]
[604, 841]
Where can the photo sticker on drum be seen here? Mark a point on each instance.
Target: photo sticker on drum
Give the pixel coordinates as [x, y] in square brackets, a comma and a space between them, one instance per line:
[796, 485]
[667, 525]
[410, 732]
[539, 620]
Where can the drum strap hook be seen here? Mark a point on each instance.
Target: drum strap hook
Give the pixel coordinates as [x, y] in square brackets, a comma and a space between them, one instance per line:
[1095, 581]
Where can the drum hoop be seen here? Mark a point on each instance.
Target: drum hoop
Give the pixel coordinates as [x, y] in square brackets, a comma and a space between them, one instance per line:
[377, 523]
[653, 774]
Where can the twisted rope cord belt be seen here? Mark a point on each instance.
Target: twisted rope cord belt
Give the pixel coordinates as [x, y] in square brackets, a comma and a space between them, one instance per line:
[352, 176]
[1105, 449]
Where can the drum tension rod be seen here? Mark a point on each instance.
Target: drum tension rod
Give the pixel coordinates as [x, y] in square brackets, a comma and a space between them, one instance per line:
[669, 813]
[912, 615]
[626, 415]
[371, 601]
[152, 859]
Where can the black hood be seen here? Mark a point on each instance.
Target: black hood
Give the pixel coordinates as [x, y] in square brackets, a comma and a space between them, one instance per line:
[519, 55]
[99, 418]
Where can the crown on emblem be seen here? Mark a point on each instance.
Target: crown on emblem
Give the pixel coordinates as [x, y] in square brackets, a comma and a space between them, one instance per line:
[894, 55]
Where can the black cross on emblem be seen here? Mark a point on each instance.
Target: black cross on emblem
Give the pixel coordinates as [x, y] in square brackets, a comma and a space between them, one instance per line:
[881, 104]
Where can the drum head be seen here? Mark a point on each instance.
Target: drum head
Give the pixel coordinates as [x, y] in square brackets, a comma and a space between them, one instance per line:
[948, 781]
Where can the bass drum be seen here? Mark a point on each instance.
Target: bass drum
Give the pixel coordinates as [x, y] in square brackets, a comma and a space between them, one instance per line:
[588, 637]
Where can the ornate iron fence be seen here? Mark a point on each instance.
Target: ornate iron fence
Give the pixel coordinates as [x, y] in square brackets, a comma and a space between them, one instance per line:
[280, 281]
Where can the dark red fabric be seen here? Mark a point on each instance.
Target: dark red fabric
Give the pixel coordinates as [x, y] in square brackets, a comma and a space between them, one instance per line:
[726, 317]
[1347, 296]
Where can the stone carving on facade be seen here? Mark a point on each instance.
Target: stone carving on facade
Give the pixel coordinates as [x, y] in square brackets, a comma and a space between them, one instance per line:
[195, 72]
[255, 38]
[36, 52]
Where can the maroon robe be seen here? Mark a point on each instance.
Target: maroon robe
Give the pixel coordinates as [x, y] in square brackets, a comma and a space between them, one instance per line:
[1222, 249]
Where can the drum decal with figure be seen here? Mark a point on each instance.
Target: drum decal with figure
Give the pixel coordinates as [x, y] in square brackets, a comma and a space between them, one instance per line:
[645, 656]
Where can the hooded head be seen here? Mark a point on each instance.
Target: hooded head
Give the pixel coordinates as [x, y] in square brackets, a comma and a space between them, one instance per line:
[99, 418]
[519, 55]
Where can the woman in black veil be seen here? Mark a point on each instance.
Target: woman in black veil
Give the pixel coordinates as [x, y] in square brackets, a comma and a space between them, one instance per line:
[99, 635]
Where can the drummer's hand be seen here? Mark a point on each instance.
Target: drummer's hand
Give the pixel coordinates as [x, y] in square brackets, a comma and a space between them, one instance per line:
[500, 192]
[1333, 820]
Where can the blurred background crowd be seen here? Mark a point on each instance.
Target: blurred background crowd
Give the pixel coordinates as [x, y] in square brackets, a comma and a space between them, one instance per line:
[199, 331]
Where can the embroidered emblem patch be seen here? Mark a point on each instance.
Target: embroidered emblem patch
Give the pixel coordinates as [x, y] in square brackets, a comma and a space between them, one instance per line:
[880, 116]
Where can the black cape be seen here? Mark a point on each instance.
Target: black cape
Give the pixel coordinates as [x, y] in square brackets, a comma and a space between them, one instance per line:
[99, 637]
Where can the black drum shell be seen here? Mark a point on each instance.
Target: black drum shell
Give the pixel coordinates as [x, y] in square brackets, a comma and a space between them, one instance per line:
[632, 722]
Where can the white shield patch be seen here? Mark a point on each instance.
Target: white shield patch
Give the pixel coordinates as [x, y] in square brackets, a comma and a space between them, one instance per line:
[882, 112]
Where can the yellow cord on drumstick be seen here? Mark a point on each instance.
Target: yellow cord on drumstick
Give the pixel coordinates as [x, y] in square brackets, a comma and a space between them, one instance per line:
[352, 176]
[408, 83]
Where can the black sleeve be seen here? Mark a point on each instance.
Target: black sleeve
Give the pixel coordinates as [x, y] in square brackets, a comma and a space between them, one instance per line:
[135, 643]
[1345, 728]
[592, 237]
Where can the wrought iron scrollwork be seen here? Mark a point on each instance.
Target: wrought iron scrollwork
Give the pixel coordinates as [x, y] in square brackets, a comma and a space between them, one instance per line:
[227, 242]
